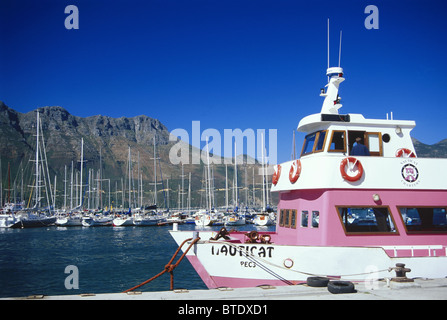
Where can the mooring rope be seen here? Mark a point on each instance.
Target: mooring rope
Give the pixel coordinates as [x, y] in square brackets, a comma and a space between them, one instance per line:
[169, 267]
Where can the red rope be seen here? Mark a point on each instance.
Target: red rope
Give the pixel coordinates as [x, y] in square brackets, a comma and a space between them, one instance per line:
[169, 267]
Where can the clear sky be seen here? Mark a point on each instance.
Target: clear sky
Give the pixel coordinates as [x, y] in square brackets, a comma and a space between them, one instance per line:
[248, 64]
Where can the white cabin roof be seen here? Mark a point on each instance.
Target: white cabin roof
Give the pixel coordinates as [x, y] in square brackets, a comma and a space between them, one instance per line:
[320, 121]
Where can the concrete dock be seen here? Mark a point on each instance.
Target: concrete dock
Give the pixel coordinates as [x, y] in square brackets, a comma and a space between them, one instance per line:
[420, 289]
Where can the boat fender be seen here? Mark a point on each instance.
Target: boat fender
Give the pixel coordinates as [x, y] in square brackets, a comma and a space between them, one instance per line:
[295, 171]
[336, 287]
[343, 169]
[405, 153]
[317, 281]
[276, 174]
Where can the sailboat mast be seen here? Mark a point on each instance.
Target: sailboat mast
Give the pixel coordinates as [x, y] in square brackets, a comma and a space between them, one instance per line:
[129, 178]
[226, 188]
[267, 201]
[155, 174]
[189, 193]
[235, 175]
[209, 176]
[263, 173]
[37, 160]
[82, 165]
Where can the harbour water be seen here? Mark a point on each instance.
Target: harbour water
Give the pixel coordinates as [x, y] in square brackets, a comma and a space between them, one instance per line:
[108, 259]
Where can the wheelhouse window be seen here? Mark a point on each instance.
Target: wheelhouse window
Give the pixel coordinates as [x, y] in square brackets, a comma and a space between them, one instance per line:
[314, 142]
[366, 220]
[337, 142]
[424, 219]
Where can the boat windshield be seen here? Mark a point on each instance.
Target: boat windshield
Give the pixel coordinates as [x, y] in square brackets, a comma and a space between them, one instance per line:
[314, 142]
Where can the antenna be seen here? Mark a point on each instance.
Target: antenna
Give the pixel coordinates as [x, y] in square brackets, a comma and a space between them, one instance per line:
[328, 43]
[339, 50]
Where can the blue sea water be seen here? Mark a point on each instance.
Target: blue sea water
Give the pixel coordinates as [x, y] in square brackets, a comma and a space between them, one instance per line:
[108, 259]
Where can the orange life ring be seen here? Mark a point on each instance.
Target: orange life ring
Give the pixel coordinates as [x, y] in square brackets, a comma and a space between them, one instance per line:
[276, 174]
[295, 171]
[405, 153]
[343, 169]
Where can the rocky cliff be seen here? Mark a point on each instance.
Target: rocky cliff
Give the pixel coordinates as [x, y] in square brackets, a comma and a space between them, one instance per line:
[106, 142]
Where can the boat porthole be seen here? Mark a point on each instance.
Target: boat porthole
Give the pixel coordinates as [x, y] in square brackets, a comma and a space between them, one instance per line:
[288, 263]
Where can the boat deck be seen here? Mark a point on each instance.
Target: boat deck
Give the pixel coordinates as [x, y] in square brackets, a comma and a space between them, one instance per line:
[420, 289]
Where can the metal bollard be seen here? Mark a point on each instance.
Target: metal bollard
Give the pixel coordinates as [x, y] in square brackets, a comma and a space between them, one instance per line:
[401, 273]
[195, 235]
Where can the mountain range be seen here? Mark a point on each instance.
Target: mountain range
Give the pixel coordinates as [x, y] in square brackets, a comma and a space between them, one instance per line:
[106, 146]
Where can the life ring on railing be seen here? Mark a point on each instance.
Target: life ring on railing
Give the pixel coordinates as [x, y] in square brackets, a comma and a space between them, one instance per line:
[276, 174]
[295, 171]
[405, 153]
[347, 164]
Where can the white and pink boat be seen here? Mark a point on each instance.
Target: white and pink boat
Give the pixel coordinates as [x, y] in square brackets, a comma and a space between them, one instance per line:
[340, 214]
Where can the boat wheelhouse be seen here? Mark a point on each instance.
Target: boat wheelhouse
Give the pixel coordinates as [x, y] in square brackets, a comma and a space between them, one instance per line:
[341, 213]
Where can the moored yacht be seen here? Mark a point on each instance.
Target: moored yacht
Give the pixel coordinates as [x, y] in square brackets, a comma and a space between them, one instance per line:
[150, 218]
[263, 219]
[69, 219]
[97, 220]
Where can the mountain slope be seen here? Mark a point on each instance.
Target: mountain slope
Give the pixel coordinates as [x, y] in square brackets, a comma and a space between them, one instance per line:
[106, 141]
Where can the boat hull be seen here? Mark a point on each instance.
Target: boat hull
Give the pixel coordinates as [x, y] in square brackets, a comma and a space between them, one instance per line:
[148, 222]
[7, 220]
[120, 222]
[237, 264]
[97, 222]
[263, 220]
[33, 222]
[69, 222]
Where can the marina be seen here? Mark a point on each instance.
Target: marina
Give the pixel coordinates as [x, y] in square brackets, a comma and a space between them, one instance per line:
[125, 206]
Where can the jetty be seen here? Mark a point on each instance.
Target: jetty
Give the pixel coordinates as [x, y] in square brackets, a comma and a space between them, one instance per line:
[386, 289]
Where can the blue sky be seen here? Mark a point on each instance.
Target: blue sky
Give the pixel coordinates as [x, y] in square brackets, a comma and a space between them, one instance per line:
[229, 64]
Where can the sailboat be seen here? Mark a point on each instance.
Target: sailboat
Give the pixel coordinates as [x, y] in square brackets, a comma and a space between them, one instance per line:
[35, 217]
[207, 217]
[126, 219]
[74, 217]
[97, 220]
[123, 220]
[235, 219]
[264, 218]
[150, 217]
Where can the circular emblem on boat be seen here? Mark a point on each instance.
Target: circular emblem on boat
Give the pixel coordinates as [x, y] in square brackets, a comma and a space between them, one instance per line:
[276, 174]
[295, 171]
[410, 173]
[288, 263]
